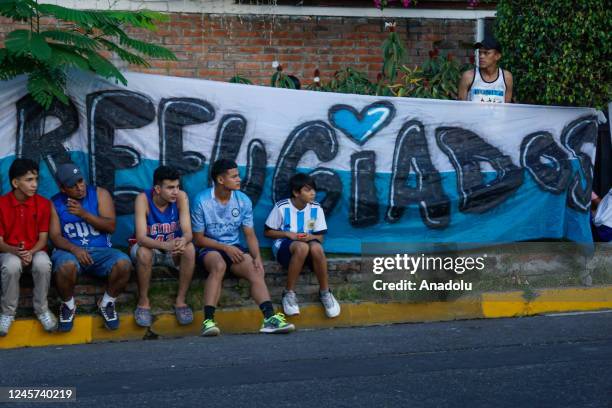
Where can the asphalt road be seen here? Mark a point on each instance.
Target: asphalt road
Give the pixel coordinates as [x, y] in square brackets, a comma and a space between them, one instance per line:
[546, 361]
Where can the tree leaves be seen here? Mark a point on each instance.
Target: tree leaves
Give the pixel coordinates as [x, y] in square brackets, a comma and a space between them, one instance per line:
[19, 10]
[84, 34]
[22, 42]
[71, 38]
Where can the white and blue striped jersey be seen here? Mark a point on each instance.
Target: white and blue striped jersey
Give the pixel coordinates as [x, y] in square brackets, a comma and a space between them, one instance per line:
[285, 217]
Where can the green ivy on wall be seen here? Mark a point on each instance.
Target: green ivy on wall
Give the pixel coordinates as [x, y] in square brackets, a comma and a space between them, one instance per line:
[559, 51]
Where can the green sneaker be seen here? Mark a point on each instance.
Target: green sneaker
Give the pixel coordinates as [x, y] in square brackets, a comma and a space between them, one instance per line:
[209, 328]
[276, 324]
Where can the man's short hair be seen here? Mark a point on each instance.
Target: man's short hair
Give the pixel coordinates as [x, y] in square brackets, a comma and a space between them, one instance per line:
[165, 173]
[221, 166]
[299, 181]
[21, 167]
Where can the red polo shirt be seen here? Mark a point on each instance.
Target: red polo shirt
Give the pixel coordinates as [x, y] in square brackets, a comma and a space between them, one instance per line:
[23, 221]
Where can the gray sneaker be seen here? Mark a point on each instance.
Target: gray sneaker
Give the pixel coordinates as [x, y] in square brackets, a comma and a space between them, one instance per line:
[331, 305]
[290, 303]
[184, 315]
[48, 321]
[5, 324]
[143, 317]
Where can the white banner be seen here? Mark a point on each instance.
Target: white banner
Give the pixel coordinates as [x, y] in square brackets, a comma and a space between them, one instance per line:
[388, 169]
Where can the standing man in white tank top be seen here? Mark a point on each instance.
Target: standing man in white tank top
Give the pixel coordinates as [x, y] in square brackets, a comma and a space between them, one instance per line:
[488, 82]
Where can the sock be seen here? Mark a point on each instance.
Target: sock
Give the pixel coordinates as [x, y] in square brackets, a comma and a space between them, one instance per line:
[70, 303]
[267, 309]
[106, 299]
[285, 291]
[209, 312]
[323, 292]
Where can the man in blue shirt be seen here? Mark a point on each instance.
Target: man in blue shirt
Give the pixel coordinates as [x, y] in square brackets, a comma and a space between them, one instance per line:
[82, 221]
[217, 216]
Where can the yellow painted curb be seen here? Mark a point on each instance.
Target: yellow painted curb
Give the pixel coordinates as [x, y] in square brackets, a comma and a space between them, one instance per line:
[87, 329]
[370, 313]
[128, 330]
[510, 304]
[29, 333]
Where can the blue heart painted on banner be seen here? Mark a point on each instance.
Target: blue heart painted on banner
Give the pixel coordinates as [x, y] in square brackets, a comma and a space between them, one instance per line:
[360, 126]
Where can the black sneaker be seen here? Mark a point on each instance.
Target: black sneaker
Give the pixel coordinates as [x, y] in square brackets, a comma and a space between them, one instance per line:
[65, 319]
[111, 318]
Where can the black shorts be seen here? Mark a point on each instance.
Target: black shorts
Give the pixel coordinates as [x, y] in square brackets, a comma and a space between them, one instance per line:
[228, 261]
[283, 255]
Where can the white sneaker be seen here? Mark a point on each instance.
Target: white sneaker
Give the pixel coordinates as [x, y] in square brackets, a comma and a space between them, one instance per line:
[290, 303]
[48, 321]
[331, 305]
[5, 324]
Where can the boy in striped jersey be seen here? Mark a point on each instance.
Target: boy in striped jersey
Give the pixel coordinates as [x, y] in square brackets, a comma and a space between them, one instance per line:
[297, 225]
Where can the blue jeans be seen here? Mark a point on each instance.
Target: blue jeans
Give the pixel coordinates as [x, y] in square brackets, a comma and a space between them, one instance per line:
[104, 260]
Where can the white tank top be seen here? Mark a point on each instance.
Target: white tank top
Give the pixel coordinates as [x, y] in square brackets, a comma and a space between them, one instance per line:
[603, 216]
[483, 91]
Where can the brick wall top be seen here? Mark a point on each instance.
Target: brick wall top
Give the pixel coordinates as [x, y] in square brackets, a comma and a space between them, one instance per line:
[217, 47]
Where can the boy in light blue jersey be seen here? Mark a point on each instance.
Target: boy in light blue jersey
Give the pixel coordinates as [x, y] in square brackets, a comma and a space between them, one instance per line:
[218, 215]
[297, 225]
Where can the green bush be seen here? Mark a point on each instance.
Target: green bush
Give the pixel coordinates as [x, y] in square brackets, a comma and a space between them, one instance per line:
[559, 51]
[437, 78]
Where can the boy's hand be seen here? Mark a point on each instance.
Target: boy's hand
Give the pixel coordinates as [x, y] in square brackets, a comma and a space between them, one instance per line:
[304, 237]
[168, 246]
[292, 235]
[179, 246]
[26, 257]
[258, 264]
[75, 208]
[83, 256]
[234, 253]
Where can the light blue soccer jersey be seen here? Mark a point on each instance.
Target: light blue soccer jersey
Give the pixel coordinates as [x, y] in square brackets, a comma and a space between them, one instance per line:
[218, 221]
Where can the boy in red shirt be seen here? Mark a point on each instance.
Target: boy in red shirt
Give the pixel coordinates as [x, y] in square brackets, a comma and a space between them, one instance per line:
[24, 227]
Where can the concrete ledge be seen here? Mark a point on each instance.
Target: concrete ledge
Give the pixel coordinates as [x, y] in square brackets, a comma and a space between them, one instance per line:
[89, 329]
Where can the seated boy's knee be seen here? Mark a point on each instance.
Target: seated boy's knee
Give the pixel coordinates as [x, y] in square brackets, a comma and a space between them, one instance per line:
[316, 249]
[66, 269]
[41, 262]
[216, 268]
[123, 266]
[144, 255]
[300, 248]
[11, 265]
[189, 252]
